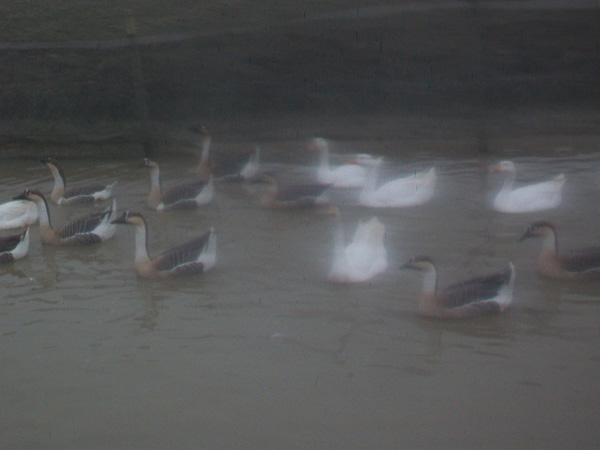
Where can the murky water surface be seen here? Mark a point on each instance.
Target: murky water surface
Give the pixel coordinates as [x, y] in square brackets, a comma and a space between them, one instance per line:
[263, 352]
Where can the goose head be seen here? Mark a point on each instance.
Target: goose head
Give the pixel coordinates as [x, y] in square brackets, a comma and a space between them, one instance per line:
[318, 144]
[540, 228]
[148, 163]
[503, 166]
[130, 218]
[30, 195]
[420, 263]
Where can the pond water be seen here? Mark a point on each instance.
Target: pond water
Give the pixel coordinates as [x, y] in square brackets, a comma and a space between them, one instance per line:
[264, 352]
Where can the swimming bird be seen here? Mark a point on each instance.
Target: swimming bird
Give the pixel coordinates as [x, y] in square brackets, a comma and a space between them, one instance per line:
[535, 197]
[191, 194]
[345, 176]
[293, 196]
[487, 294]
[89, 229]
[579, 264]
[89, 193]
[14, 247]
[195, 256]
[251, 171]
[17, 214]
[413, 190]
[364, 257]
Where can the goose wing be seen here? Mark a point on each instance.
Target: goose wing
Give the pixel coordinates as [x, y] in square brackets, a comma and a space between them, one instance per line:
[582, 260]
[87, 189]
[183, 191]
[182, 255]
[84, 225]
[478, 289]
[8, 243]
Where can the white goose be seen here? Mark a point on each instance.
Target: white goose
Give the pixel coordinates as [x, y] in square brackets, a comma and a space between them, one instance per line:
[487, 294]
[89, 193]
[17, 214]
[195, 256]
[413, 190]
[192, 194]
[14, 247]
[535, 197]
[363, 258]
[345, 176]
[90, 229]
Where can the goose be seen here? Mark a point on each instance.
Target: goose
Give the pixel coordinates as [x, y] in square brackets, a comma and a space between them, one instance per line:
[203, 170]
[363, 258]
[487, 294]
[580, 264]
[195, 256]
[293, 196]
[345, 176]
[251, 172]
[535, 197]
[413, 190]
[90, 229]
[14, 247]
[76, 195]
[191, 194]
[17, 214]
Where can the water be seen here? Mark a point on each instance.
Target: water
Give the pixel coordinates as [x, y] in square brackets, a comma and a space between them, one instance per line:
[264, 352]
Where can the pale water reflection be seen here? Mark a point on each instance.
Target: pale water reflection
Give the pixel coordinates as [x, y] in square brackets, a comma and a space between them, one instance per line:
[264, 352]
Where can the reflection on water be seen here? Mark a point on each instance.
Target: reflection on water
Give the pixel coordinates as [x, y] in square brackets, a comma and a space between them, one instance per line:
[263, 351]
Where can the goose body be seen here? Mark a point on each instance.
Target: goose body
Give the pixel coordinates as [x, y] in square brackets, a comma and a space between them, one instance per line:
[90, 229]
[408, 191]
[488, 294]
[362, 259]
[293, 196]
[77, 195]
[14, 247]
[344, 176]
[195, 256]
[580, 264]
[535, 197]
[17, 214]
[191, 194]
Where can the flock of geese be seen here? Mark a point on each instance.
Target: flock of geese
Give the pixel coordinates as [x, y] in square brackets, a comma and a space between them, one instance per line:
[357, 261]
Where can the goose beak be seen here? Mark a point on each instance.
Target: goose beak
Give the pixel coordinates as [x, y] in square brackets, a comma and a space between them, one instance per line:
[495, 169]
[121, 219]
[526, 235]
[22, 196]
[408, 265]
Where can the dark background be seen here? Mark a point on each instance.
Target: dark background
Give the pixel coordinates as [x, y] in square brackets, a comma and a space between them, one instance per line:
[243, 62]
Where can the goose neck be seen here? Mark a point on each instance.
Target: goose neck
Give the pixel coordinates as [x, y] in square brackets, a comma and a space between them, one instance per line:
[141, 244]
[60, 182]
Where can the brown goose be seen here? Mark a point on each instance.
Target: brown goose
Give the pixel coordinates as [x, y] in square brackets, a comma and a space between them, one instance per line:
[14, 247]
[487, 294]
[195, 256]
[75, 195]
[192, 194]
[90, 229]
[581, 264]
[293, 196]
